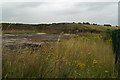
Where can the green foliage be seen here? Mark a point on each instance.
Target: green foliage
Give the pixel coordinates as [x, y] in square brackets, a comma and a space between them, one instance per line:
[55, 27]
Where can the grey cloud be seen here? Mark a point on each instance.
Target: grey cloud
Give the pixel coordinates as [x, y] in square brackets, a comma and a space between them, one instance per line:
[12, 10]
[81, 7]
[38, 12]
[22, 4]
[94, 5]
[30, 4]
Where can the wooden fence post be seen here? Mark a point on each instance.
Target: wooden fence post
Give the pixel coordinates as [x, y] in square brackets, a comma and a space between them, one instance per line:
[116, 50]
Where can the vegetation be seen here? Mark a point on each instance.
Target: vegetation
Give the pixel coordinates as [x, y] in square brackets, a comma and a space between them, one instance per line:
[86, 55]
[55, 28]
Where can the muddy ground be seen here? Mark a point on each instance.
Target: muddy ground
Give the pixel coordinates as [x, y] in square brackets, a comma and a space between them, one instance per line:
[32, 39]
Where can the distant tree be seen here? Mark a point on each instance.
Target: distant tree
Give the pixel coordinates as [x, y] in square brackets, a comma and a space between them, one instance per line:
[62, 23]
[94, 24]
[107, 25]
[86, 23]
[54, 23]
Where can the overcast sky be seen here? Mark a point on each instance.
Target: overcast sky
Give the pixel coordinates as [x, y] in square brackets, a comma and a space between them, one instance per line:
[64, 11]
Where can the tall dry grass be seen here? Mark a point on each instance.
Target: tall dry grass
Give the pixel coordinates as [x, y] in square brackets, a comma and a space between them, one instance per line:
[74, 57]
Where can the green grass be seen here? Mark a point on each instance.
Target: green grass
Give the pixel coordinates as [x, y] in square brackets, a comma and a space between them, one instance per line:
[74, 57]
[53, 28]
